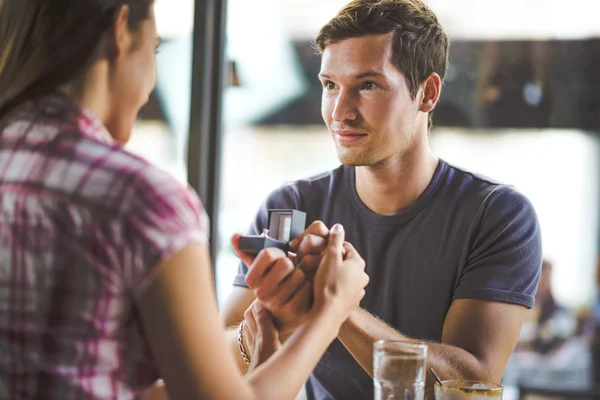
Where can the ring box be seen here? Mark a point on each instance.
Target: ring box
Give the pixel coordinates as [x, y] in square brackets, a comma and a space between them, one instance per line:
[284, 225]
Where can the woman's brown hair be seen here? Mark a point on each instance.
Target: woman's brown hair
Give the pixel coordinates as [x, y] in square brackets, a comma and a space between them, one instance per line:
[45, 44]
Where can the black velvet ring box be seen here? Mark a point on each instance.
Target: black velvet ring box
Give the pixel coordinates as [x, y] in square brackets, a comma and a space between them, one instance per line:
[284, 225]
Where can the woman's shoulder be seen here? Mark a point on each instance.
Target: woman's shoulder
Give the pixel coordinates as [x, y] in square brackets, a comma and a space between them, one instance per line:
[147, 192]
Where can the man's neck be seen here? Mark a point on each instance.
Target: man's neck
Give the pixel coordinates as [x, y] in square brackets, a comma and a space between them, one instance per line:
[396, 183]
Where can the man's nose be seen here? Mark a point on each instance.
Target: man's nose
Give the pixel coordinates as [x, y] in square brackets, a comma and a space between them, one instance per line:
[345, 107]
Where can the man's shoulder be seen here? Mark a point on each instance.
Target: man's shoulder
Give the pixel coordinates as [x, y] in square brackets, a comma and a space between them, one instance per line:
[472, 180]
[487, 195]
[466, 183]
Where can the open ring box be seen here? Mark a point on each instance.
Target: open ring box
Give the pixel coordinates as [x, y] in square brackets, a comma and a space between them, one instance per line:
[284, 225]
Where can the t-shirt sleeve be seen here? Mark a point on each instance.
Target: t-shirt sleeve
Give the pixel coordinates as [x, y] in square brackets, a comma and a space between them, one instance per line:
[505, 259]
[164, 217]
[283, 198]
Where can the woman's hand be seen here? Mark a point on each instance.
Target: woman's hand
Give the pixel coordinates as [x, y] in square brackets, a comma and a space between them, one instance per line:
[261, 337]
[340, 278]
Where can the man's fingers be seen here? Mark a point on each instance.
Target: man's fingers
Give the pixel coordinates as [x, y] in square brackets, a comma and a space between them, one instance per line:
[293, 257]
[262, 264]
[269, 284]
[289, 287]
[353, 256]
[317, 228]
[311, 244]
[349, 251]
[248, 259]
[309, 264]
[301, 301]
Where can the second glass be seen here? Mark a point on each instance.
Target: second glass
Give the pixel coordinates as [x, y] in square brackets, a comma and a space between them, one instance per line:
[399, 370]
[467, 390]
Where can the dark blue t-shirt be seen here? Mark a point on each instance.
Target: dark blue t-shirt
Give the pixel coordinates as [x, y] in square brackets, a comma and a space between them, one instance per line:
[465, 237]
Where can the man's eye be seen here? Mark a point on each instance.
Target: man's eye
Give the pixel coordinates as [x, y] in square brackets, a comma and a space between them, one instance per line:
[329, 85]
[369, 86]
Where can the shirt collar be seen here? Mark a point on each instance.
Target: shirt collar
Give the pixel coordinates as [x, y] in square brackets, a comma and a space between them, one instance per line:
[90, 126]
[87, 123]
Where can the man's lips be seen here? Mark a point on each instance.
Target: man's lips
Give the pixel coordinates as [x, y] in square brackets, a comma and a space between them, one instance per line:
[349, 136]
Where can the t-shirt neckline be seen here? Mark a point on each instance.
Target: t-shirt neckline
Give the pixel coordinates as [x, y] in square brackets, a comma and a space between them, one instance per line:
[408, 213]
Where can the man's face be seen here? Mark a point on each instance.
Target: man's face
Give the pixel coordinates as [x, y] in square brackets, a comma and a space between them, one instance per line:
[366, 103]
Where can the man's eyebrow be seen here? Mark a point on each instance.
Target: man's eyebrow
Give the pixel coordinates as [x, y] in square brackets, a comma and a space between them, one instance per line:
[369, 74]
[362, 75]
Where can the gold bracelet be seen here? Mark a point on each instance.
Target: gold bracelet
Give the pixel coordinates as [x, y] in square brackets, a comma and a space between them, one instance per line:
[241, 344]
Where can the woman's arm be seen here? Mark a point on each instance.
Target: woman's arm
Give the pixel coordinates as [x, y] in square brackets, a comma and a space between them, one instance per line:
[180, 317]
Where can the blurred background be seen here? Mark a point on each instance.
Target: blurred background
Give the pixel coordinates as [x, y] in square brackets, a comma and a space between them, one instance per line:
[521, 104]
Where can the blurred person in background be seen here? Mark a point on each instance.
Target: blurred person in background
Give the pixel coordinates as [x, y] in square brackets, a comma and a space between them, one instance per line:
[555, 323]
[553, 346]
[550, 324]
[105, 275]
[513, 84]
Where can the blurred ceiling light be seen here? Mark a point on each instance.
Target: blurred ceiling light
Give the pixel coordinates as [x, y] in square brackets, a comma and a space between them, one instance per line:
[518, 19]
[472, 19]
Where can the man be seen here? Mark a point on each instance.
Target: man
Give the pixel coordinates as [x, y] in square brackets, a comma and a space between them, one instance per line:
[453, 258]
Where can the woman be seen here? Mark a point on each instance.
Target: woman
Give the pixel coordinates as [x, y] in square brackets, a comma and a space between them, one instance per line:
[105, 279]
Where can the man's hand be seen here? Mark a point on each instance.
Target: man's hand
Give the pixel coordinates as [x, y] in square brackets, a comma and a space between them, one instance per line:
[308, 248]
[280, 287]
[283, 288]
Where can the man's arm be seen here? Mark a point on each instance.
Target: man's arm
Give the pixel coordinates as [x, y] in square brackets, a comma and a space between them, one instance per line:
[477, 339]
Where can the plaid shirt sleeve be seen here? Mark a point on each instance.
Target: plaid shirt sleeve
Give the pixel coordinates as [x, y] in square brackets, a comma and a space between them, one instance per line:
[164, 217]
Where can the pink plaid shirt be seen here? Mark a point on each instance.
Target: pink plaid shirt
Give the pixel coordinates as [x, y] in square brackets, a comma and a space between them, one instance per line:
[83, 226]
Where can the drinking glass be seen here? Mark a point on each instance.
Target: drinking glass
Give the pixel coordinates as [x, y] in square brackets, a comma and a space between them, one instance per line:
[467, 390]
[399, 369]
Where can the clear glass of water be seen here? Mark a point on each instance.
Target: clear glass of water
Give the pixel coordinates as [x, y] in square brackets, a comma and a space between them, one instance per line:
[399, 369]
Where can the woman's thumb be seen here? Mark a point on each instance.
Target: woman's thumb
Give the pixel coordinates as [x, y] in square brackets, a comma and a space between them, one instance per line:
[266, 325]
[336, 238]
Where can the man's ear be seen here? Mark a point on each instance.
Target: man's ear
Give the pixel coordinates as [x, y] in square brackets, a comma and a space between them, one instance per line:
[430, 94]
[119, 37]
